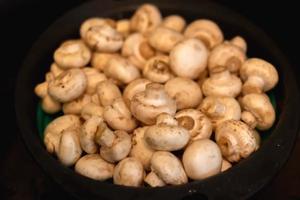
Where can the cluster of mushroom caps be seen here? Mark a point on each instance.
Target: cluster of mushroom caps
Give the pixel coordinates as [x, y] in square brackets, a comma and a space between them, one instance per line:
[142, 98]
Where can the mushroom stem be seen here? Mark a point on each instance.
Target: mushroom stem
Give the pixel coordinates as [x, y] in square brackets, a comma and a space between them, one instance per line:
[104, 136]
[254, 84]
[249, 119]
[153, 180]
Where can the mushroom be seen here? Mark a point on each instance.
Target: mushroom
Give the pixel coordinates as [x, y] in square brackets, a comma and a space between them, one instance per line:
[205, 30]
[219, 109]
[198, 125]
[95, 99]
[55, 69]
[94, 21]
[94, 167]
[225, 165]
[164, 39]
[123, 27]
[137, 49]
[202, 159]
[134, 87]
[184, 91]
[258, 75]
[140, 149]
[121, 70]
[93, 78]
[226, 55]
[236, 140]
[87, 134]
[72, 54]
[258, 111]
[239, 42]
[202, 77]
[153, 180]
[69, 150]
[148, 104]
[118, 116]
[174, 22]
[222, 84]
[157, 69]
[75, 106]
[145, 19]
[166, 135]
[68, 86]
[54, 129]
[189, 58]
[104, 38]
[107, 92]
[91, 109]
[99, 60]
[168, 168]
[129, 172]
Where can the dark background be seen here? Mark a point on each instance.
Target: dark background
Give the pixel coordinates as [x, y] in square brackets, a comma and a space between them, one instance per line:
[22, 21]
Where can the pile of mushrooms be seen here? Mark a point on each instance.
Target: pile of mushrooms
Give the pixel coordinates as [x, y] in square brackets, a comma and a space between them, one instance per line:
[155, 101]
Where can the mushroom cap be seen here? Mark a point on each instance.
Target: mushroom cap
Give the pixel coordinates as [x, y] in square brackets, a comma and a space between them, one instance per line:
[55, 69]
[236, 140]
[72, 54]
[225, 165]
[153, 180]
[205, 30]
[94, 21]
[188, 58]
[107, 92]
[174, 22]
[94, 167]
[147, 105]
[41, 89]
[222, 84]
[75, 106]
[226, 55]
[93, 78]
[240, 42]
[99, 60]
[261, 108]
[202, 159]
[68, 86]
[123, 26]
[50, 105]
[168, 168]
[129, 172]
[184, 91]
[90, 110]
[198, 125]
[255, 67]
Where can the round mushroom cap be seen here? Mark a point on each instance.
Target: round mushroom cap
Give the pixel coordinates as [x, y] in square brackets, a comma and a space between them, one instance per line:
[129, 172]
[239, 42]
[202, 159]
[261, 108]
[68, 86]
[94, 21]
[189, 58]
[107, 92]
[184, 91]
[174, 22]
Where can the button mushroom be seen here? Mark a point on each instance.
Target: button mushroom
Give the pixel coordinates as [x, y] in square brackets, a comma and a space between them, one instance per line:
[100, 60]
[174, 22]
[94, 21]
[56, 70]
[205, 30]
[129, 172]
[90, 110]
[189, 58]
[198, 125]
[123, 27]
[236, 140]
[94, 167]
[258, 111]
[72, 54]
[147, 105]
[108, 92]
[225, 165]
[93, 78]
[184, 91]
[202, 159]
[153, 180]
[239, 42]
[259, 76]
[75, 106]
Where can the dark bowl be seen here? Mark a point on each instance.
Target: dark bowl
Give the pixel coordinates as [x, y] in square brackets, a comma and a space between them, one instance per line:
[242, 181]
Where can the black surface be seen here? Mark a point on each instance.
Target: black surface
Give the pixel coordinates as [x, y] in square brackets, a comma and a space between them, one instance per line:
[21, 26]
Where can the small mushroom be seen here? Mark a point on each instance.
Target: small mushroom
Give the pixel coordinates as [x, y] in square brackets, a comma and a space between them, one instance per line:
[94, 167]
[184, 91]
[145, 19]
[129, 172]
[166, 135]
[69, 150]
[239, 42]
[99, 60]
[93, 78]
[236, 140]
[258, 75]
[219, 109]
[164, 39]
[205, 30]
[91, 109]
[157, 69]
[174, 22]
[189, 58]
[153, 180]
[198, 125]
[258, 111]
[228, 56]
[68, 86]
[108, 92]
[202, 159]
[147, 105]
[134, 87]
[104, 136]
[222, 84]
[56, 70]
[94, 21]
[168, 168]
[54, 129]
[118, 116]
[123, 27]
[121, 70]
[72, 54]
[225, 165]
[75, 106]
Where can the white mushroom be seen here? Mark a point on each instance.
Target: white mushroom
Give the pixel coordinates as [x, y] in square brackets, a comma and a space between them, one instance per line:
[75, 106]
[153, 180]
[93, 78]
[123, 27]
[108, 92]
[225, 165]
[55, 69]
[99, 60]
[94, 21]
[239, 42]
[174, 22]
[90, 110]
